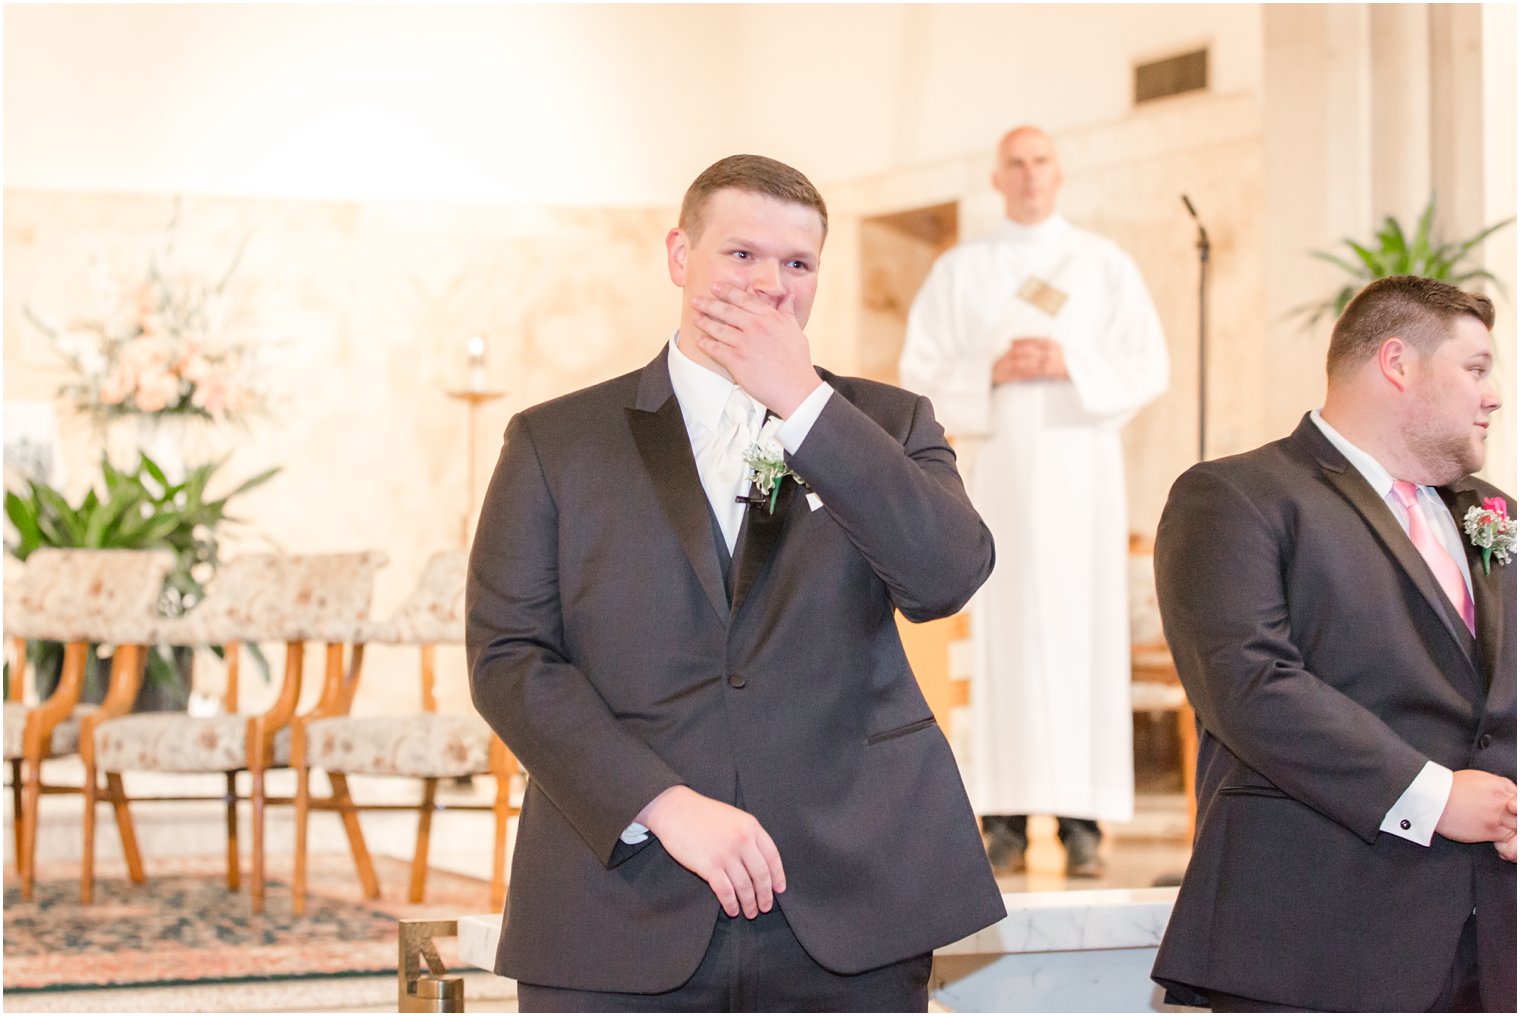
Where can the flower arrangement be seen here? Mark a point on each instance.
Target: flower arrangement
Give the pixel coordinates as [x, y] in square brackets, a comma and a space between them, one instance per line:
[1491, 530]
[162, 345]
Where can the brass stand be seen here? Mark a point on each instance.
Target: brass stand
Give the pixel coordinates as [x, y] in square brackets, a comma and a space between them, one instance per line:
[433, 991]
[473, 398]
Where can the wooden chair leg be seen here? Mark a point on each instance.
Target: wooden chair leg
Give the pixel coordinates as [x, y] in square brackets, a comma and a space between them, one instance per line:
[124, 828]
[345, 804]
[36, 745]
[502, 812]
[303, 802]
[234, 857]
[429, 679]
[1187, 729]
[230, 696]
[26, 826]
[16, 808]
[256, 868]
[87, 859]
[424, 835]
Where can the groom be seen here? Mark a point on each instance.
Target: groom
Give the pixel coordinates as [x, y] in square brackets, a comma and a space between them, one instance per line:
[738, 798]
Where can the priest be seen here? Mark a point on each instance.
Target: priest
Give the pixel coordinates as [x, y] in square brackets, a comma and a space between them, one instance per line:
[1038, 342]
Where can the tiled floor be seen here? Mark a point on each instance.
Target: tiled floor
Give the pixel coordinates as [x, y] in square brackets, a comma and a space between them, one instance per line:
[1139, 853]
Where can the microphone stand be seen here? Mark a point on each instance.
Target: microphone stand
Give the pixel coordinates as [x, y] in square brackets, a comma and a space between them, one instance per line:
[1174, 878]
[1203, 328]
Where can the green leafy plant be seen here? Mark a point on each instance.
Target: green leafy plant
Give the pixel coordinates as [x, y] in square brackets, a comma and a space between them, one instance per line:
[1395, 252]
[140, 509]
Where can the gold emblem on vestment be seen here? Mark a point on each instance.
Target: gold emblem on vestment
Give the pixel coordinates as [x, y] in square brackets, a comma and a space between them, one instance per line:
[1041, 294]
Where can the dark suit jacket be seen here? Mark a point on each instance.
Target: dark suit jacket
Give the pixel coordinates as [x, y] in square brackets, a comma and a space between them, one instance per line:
[604, 650]
[1326, 666]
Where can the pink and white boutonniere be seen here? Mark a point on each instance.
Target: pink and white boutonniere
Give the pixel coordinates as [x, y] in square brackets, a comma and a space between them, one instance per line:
[1491, 530]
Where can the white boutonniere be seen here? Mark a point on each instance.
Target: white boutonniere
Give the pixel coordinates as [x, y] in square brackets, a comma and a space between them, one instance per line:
[1491, 530]
[767, 464]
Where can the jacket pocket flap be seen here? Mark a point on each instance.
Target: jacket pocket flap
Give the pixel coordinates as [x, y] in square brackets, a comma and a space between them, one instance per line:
[896, 732]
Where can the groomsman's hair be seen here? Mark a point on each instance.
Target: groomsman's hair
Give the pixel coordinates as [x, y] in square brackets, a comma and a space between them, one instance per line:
[1416, 309]
[755, 174]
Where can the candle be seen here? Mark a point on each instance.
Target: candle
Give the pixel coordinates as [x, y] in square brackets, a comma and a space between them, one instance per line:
[477, 347]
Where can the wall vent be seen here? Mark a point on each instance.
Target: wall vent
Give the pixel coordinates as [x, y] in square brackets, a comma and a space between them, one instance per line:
[1174, 75]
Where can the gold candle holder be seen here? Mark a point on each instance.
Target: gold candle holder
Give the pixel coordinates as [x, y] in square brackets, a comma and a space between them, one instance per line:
[474, 394]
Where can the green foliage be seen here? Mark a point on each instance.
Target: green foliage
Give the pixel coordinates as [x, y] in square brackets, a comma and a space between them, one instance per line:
[137, 510]
[1393, 252]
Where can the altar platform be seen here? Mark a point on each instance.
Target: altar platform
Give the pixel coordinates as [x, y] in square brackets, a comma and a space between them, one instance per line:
[1071, 951]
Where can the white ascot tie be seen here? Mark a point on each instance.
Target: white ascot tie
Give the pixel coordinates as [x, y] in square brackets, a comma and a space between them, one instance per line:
[724, 471]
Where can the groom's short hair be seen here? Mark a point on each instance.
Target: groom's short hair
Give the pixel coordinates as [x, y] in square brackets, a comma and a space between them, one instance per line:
[1416, 309]
[755, 174]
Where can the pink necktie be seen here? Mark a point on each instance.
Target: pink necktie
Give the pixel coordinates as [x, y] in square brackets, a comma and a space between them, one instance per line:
[1446, 571]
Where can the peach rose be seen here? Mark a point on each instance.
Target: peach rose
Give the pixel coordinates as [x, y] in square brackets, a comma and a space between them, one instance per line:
[116, 388]
[156, 390]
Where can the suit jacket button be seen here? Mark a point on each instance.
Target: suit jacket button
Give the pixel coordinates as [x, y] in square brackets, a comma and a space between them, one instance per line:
[1403, 823]
[736, 681]
[1485, 740]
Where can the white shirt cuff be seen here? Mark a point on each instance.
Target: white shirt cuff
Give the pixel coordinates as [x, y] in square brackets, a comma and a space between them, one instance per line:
[634, 834]
[1415, 814]
[795, 428]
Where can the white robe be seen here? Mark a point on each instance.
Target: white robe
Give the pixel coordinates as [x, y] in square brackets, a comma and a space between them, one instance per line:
[1050, 701]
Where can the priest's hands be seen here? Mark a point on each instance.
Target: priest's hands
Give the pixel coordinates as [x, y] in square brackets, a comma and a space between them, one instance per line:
[1481, 808]
[1030, 359]
[759, 342]
[725, 847]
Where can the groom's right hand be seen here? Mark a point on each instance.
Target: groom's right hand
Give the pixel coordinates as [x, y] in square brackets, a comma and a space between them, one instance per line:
[724, 846]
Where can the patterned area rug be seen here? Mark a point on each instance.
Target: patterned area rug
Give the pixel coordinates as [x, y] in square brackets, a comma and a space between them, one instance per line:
[184, 927]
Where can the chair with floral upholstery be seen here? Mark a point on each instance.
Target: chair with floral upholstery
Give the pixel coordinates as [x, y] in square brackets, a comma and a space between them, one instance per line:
[294, 599]
[77, 597]
[430, 746]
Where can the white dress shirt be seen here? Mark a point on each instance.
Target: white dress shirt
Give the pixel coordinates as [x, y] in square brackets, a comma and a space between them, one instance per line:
[1425, 799]
[702, 394]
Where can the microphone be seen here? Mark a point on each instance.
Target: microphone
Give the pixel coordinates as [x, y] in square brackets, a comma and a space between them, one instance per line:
[1203, 234]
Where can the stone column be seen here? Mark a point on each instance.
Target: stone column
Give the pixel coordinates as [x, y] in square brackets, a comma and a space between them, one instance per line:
[1458, 117]
[1401, 109]
[1317, 153]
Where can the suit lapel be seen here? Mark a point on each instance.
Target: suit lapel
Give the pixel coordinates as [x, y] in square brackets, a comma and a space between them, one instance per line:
[659, 432]
[1488, 600]
[757, 539]
[1376, 513]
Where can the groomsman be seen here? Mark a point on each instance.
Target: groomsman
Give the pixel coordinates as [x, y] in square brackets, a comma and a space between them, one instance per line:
[1341, 605]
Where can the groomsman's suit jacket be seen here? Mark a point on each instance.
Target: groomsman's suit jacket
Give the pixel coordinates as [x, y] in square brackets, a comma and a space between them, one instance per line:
[607, 652]
[1326, 666]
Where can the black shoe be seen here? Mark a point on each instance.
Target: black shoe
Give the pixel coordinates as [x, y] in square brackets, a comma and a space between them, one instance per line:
[1005, 849]
[1082, 860]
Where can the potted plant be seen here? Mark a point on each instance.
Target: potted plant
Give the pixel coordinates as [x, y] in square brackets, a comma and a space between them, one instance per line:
[138, 509]
[1392, 251]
